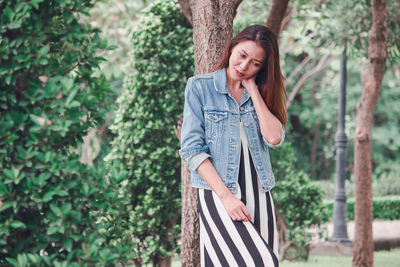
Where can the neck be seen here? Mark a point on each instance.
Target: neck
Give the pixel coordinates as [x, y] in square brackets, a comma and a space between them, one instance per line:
[232, 84]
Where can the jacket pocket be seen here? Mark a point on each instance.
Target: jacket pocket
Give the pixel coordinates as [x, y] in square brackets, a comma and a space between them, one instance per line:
[215, 124]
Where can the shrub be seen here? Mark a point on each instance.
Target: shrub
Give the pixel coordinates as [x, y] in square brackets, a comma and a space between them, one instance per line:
[298, 200]
[146, 144]
[49, 201]
[384, 208]
[301, 204]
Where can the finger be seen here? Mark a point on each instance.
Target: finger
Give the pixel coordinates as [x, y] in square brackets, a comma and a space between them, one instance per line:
[247, 214]
[242, 216]
[233, 216]
[238, 216]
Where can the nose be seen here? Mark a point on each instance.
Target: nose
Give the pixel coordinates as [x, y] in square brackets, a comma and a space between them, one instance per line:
[244, 65]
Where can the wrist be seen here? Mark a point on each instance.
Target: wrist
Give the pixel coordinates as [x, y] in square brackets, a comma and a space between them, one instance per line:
[223, 194]
[253, 92]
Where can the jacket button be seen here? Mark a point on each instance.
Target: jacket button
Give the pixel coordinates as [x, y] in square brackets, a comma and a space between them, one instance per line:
[252, 146]
[241, 108]
[258, 167]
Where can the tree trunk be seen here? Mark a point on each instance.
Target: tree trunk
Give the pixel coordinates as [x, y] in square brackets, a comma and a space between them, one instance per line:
[363, 247]
[187, 12]
[212, 27]
[275, 16]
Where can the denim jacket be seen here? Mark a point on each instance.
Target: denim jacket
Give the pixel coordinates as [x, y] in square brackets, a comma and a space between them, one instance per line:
[211, 129]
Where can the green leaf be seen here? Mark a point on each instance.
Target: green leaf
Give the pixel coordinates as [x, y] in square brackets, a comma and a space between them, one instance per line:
[56, 210]
[22, 260]
[66, 207]
[12, 261]
[53, 230]
[85, 188]
[33, 258]
[48, 196]
[71, 96]
[3, 188]
[9, 13]
[22, 58]
[68, 244]
[61, 193]
[17, 224]
[6, 205]
[15, 25]
[44, 51]
[9, 173]
[36, 3]
[43, 61]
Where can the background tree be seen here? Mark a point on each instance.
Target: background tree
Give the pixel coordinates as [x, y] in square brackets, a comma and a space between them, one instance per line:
[145, 145]
[276, 15]
[363, 247]
[117, 20]
[212, 26]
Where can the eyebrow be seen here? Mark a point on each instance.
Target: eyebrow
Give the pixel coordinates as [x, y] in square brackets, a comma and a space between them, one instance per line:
[260, 61]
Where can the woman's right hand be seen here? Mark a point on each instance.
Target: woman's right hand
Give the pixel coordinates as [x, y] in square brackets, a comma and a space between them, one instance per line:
[235, 208]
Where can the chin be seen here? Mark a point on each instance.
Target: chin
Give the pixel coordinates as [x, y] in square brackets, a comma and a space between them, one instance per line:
[234, 76]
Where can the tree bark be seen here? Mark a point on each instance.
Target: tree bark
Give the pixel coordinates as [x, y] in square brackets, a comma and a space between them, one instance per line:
[275, 16]
[212, 27]
[187, 12]
[363, 247]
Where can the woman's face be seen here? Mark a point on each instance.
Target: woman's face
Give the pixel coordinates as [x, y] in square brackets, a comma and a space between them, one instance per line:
[246, 60]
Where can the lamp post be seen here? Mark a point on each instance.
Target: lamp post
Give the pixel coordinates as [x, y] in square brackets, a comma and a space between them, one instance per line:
[340, 205]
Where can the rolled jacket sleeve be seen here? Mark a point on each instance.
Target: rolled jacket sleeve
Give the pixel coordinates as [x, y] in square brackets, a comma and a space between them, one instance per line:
[266, 143]
[194, 149]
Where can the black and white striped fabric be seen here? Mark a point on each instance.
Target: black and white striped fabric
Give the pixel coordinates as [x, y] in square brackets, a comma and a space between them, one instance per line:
[224, 242]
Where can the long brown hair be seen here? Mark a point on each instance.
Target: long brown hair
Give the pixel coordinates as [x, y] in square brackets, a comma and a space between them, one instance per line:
[269, 78]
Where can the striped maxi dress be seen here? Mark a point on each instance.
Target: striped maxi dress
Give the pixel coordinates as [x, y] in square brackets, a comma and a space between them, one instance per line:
[224, 242]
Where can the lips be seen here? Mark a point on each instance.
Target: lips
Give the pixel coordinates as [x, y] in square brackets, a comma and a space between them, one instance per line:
[238, 73]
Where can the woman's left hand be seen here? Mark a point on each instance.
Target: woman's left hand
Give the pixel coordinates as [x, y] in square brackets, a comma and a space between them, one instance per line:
[250, 85]
[270, 126]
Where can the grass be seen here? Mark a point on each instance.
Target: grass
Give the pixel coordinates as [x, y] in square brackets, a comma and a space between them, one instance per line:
[381, 259]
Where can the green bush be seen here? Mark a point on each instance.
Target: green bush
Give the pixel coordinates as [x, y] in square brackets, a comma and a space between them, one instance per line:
[385, 183]
[297, 199]
[301, 204]
[146, 145]
[50, 203]
[384, 208]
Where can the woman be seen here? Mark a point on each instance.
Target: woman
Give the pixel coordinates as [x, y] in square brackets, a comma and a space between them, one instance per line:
[231, 117]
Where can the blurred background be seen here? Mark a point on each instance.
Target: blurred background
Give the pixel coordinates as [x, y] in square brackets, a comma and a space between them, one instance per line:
[91, 92]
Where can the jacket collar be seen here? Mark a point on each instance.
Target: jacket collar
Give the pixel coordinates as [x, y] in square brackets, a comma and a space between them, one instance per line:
[221, 85]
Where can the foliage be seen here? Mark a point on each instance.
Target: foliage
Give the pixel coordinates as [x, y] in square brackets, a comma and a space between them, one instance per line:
[352, 21]
[386, 184]
[301, 204]
[316, 31]
[384, 208]
[146, 144]
[297, 198]
[250, 12]
[49, 201]
[117, 20]
[385, 258]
